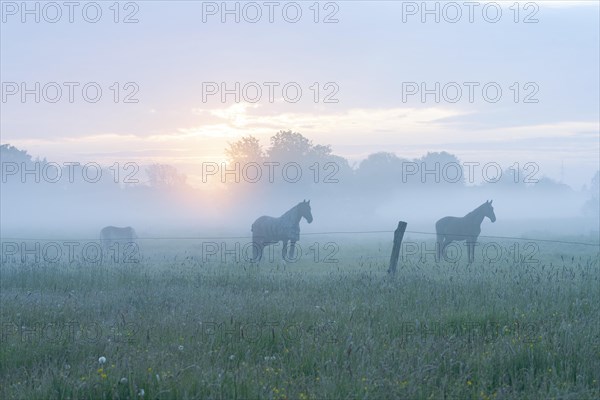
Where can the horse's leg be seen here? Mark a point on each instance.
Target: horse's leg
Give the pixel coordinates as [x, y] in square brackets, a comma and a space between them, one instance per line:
[439, 244]
[471, 251]
[292, 250]
[257, 250]
[468, 252]
[284, 250]
[445, 243]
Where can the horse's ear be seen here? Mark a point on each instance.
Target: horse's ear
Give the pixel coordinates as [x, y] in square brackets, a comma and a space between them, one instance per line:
[491, 201]
[308, 202]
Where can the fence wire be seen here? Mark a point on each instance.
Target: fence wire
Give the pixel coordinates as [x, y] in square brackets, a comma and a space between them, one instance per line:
[312, 234]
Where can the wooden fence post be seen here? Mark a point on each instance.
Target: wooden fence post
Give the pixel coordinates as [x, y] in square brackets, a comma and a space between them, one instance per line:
[398, 235]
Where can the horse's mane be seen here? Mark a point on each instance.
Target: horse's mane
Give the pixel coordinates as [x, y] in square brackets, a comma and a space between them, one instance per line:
[475, 210]
[291, 212]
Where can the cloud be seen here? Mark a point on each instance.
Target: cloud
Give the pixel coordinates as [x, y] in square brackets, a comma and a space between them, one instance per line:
[565, 4]
[353, 133]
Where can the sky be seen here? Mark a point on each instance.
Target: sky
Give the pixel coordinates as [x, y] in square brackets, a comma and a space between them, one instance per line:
[369, 74]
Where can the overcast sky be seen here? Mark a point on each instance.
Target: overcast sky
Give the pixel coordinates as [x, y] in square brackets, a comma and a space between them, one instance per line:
[371, 61]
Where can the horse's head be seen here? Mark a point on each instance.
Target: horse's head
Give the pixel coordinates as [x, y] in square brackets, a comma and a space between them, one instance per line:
[489, 210]
[304, 211]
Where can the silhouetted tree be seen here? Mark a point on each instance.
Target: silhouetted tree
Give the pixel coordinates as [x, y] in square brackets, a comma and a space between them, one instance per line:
[319, 166]
[245, 150]
[292, 146]
[10, 153]
[440, 169]
[165, 176]
[381, 170]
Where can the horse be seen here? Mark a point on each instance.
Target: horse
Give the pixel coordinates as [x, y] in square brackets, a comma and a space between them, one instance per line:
[270, 230]
[449, 229]
[112, 234]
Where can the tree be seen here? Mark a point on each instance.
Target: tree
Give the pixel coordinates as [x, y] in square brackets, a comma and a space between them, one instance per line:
[292, 146]
[165, 176]
[381, 169]
[10, 153]
[440, 168]
[247, 149]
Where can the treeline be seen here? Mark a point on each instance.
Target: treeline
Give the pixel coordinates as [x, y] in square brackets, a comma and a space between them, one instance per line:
[290, 169]
[290, 160]
[290, 152]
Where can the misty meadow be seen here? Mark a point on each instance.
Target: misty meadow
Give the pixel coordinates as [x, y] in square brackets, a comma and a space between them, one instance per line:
[177, 307]
[300, 200]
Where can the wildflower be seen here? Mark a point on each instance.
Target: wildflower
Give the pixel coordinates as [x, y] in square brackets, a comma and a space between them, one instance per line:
[180, 347]
[123, 380]
[231, 357]
[141, 393]
[102, 360]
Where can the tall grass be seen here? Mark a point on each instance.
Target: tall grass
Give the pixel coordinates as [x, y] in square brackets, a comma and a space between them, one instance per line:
[180, 325]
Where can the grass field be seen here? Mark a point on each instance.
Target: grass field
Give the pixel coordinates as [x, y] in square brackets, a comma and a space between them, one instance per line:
[181, 325]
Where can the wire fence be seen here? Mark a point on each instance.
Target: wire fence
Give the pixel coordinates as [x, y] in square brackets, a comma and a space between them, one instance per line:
[314, 234]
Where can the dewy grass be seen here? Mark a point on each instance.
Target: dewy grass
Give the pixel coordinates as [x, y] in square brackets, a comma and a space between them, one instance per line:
[175, 326]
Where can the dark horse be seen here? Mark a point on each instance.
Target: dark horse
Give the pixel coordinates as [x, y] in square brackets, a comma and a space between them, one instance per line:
[449, 229]
[270, 230]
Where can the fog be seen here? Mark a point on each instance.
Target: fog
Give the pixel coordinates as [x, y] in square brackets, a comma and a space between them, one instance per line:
[42, 199]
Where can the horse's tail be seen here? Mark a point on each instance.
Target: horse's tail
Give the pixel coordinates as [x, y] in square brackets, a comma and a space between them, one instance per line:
[438, 227]
[257, 229]
[254, 225]
[257, 226]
